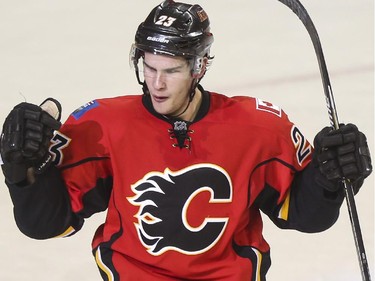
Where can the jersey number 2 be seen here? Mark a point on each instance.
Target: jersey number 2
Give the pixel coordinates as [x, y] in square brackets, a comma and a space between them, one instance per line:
[303, 147]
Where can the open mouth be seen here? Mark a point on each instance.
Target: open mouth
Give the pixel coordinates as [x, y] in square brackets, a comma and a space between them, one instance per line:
[159, 98]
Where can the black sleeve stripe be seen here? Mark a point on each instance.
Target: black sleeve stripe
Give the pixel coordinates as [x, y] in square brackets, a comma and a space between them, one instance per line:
[291, 167]
[80, 162]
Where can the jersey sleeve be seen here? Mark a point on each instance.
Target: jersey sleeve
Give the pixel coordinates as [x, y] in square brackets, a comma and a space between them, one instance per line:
[81, 153]
[42, 210]
[78, 185]
[289, 195]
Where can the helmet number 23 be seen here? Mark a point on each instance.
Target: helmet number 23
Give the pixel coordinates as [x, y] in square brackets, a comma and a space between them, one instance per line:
[165, 20]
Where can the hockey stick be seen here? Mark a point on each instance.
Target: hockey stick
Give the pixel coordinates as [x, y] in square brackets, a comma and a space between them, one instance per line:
[301, 12]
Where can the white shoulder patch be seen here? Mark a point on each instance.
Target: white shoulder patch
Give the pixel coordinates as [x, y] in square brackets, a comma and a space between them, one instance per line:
[268, 107]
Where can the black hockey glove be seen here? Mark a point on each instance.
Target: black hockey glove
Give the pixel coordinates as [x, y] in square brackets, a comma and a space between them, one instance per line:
[25, 139]
[340, 154]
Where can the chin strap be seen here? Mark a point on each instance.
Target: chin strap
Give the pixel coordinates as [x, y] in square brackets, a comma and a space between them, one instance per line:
[193, 87]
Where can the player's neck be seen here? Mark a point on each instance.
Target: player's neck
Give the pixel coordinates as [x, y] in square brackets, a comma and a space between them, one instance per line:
[193, 108]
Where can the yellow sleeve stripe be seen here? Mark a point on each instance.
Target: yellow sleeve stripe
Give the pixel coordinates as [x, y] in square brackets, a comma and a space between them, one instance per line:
[259, 263]
[284, 210]
[66, 233]
[102, 266]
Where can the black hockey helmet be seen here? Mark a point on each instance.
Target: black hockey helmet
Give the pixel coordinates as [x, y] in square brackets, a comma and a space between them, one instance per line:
[175, 29]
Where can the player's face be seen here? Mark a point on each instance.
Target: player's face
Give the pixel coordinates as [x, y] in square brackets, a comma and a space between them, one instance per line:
[169, 81]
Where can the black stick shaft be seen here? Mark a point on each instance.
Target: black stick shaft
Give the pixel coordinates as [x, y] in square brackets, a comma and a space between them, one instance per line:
[301, 12]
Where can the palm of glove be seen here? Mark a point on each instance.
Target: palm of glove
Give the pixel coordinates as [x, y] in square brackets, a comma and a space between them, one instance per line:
[25, 141]
[342, 154]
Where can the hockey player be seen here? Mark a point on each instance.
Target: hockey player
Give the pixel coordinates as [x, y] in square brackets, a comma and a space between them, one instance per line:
[182, 172]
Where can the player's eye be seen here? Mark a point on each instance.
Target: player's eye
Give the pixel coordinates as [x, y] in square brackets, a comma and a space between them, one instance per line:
[171, 71]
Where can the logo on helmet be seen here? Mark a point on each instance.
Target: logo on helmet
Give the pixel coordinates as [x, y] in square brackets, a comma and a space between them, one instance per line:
[202, 15]
[158, 39]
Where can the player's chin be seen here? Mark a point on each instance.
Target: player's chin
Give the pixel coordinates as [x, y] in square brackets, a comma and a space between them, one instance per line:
[161, 108]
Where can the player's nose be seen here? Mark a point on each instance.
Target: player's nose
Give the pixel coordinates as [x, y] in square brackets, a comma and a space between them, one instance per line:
[159, 81]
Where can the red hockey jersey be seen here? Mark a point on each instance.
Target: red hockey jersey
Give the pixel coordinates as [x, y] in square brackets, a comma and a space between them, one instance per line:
[183, 199]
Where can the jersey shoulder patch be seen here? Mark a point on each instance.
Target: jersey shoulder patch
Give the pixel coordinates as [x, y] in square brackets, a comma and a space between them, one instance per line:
[268, 107]
[79, 112]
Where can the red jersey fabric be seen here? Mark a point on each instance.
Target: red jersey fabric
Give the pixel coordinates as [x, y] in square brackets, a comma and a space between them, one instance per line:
[180, 213]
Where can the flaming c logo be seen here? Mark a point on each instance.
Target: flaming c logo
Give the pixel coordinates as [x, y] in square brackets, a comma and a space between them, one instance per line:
[164, 199]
